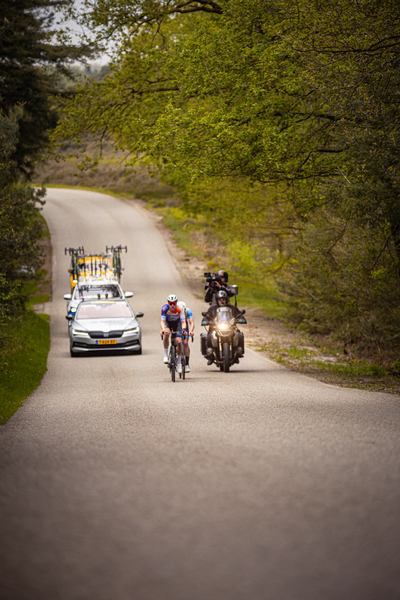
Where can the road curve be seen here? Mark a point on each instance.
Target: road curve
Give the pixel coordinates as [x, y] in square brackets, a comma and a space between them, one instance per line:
[260, 484]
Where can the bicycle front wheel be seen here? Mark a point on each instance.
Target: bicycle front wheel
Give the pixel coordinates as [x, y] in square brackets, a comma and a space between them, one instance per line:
[172, 362]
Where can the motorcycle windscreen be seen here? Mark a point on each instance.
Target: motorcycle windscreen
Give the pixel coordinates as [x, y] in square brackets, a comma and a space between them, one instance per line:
[224, 314]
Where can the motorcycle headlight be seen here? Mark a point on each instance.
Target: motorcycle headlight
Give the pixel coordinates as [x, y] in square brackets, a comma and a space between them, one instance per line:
[130, 331]
[223, 326]
[79, 332]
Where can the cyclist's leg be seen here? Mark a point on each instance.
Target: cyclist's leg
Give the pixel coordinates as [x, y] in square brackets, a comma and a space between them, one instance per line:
[178, 343]
[166, 343]
[178, 339]
[187, 350]
[166, 340]
[186, 347]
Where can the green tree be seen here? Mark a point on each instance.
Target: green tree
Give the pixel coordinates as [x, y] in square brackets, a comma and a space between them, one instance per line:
[31, 61]
[20, 226]
[302, 96]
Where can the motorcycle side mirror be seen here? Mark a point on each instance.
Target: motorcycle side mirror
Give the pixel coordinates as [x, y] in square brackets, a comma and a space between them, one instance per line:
[243, 311]
[204, 314]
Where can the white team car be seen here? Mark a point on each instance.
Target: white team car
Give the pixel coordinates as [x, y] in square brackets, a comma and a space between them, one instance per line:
[94, 290]
[107, 324]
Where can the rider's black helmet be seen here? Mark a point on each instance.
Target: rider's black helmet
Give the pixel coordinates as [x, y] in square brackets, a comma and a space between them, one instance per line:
[222, 294]
[223, 274]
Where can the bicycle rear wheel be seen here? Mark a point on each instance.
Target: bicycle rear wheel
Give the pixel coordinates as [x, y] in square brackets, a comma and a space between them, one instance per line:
[172, 361]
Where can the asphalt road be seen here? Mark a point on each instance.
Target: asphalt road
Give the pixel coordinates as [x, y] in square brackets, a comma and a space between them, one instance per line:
[260, 484]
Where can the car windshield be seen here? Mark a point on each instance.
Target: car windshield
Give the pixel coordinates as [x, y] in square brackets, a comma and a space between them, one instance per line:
[97, 291]
[103, 310]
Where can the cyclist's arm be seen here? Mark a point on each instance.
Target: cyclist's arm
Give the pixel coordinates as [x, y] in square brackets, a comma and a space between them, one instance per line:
[183, 320]
[163, 318]
[191, 325]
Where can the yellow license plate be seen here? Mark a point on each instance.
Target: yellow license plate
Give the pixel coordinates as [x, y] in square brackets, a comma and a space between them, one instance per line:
[106, 342]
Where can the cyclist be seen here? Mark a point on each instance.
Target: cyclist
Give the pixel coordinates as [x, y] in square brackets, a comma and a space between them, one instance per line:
[173, 319]
[190, 323]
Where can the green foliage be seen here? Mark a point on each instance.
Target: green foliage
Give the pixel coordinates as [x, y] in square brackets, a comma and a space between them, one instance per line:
[20, 225]
[279, 123]
[343, 278]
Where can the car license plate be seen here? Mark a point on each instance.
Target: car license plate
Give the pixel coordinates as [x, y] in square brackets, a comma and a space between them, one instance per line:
[105, 342]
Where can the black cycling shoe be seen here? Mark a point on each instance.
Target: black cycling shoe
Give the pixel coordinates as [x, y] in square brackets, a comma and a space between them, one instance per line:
[210, 361]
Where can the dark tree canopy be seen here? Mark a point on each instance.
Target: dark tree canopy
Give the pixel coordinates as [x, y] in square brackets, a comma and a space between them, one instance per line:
[31, 61]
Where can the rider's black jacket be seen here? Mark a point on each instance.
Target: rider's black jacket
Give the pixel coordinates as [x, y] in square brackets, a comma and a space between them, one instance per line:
[224, 286]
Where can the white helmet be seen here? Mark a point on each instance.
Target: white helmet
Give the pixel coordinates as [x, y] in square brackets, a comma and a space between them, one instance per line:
[182, 305]
[172, 298]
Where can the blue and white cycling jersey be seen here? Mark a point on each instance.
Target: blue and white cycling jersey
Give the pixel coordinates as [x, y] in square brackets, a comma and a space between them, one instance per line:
[172, 313]
[189, 314]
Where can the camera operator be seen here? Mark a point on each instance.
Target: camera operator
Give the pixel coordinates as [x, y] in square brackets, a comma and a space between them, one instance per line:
[214, 283]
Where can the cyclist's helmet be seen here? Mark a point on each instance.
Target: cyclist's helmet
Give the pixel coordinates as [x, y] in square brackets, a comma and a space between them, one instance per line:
[223, 274]
[172, 298]
[182, 305]
[222, 294]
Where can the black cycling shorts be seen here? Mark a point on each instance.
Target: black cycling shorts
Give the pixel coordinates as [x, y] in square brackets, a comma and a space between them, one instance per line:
[174, 325]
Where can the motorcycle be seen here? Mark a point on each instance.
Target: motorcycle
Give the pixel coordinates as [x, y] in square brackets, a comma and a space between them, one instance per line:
[227, 342]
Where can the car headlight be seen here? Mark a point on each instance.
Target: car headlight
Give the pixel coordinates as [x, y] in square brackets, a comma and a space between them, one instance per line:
[78, 332]
[130, 331]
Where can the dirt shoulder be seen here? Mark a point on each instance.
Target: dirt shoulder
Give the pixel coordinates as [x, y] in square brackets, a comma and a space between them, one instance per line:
[297, 351]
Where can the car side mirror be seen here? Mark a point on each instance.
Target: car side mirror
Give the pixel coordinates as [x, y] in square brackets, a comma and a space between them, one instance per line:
[139, 314]
[69, 318]
[67, 296]
[128, 294]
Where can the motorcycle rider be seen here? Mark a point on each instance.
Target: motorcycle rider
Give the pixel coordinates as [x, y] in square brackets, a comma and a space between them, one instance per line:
[190, 323]
[213, 288]
[222, 300]
[173, 319]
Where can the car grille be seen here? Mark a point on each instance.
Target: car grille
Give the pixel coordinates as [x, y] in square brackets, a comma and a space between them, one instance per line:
[99, 335]
[107, 348]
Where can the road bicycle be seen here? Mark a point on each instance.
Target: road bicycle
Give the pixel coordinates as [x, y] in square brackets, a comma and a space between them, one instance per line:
[116, 258]
[173, 357]
[75, 254]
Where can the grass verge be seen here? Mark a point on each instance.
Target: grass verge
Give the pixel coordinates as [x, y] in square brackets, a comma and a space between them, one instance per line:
[24, 360]
[25, 340]
[333, 367]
